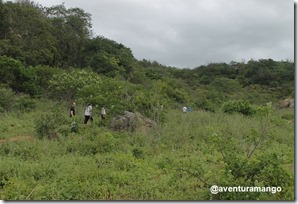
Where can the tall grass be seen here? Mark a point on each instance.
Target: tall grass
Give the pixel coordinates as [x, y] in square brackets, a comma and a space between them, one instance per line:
[178, 160]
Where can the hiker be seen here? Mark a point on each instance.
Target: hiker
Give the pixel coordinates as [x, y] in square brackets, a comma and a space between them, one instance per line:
[88, 113]
[184, 109]
[103, 115]
[72, 111]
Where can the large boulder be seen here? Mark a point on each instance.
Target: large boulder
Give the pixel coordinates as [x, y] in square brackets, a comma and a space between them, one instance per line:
[287, 103]
[131, 122]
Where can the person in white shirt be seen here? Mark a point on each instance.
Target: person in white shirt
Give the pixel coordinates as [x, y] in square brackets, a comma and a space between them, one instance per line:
[103, 115]
[88, 113]
[184, 109]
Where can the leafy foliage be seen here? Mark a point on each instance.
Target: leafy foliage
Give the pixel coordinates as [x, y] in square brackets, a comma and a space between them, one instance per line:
[179, 161]
[243, 107]
[10, 71]
[49, 56]
[66, 85]
[50, 125]
[25, 103]
[6, 99]
[26, 35]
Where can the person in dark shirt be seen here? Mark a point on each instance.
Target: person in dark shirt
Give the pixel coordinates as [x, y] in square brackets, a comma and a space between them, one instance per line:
[72, 111]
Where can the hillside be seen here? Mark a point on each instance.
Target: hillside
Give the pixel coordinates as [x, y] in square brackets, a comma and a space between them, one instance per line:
[57, 42]
[178, 160]
[235, 135]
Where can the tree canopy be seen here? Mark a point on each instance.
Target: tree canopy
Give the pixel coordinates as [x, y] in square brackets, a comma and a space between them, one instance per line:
[53, 52]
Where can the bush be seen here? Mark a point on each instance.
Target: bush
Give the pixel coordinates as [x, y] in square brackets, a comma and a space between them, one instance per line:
[138, 153]
[10, 72]
[6, 99]
[243, 107]
[74, 127]
[25, 103]
[50, 125]
[206, 105]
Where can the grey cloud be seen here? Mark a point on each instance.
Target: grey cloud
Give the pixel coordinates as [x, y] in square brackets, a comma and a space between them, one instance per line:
[189, 33]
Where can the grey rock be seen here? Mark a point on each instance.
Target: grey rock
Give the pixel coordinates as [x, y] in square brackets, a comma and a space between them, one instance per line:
[131, 122]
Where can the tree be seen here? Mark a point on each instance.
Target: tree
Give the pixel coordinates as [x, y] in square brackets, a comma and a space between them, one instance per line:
[11, 72]
[66, 85]
[71, 29]
[6, 100]
[108, 57]
[26, 35]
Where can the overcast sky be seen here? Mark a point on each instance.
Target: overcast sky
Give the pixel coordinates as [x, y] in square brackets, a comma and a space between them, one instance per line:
[190, 33]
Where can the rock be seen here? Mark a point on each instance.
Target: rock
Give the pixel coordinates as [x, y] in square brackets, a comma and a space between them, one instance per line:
[287, 103]
[131, 122]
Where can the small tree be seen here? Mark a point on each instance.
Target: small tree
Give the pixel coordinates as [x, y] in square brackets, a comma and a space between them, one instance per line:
[50, 125]
[243, 107]
[6, 99]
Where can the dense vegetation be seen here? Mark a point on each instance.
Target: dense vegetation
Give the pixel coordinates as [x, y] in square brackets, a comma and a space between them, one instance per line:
[234, 136]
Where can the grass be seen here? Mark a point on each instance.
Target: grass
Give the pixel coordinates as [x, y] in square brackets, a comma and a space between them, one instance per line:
[287, 114]
[179, 160]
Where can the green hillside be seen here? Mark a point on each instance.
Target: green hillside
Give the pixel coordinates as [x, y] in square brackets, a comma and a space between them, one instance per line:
[237, 134]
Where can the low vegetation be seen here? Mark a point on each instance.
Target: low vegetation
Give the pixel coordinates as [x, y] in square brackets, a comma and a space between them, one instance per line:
[179, 160]
[235, 134]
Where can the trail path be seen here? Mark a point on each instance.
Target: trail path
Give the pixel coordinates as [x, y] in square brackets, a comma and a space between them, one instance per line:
[15, 139]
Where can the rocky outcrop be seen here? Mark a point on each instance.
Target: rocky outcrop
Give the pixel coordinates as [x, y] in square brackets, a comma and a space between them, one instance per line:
[131, 122]
[287, 103]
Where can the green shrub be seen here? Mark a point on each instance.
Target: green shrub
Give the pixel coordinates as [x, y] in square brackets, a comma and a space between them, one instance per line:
[7, 99]
[138, 153]
[1, 110]
[206, 105]
[25, 103]
[74, 127]
[263, 171]
[243, 107]
[50, 125]
[105, 142]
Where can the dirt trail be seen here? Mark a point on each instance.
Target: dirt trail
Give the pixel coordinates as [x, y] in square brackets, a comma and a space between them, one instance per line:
[15, 139]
